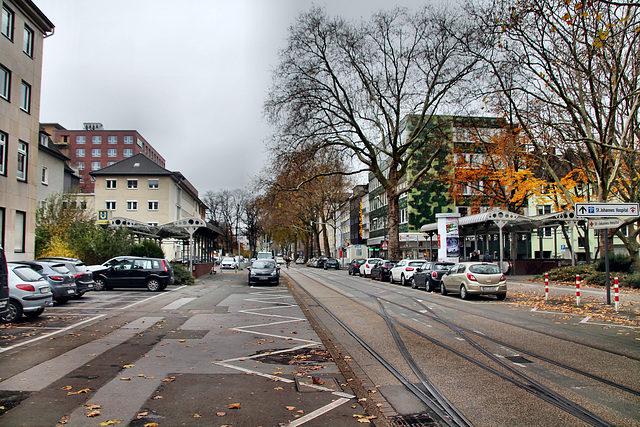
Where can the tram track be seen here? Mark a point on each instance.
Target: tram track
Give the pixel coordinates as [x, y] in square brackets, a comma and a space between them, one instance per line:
[427, 392]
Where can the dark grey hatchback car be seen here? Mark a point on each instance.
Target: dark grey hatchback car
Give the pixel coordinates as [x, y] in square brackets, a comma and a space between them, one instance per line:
[155, 274]
[264, 271]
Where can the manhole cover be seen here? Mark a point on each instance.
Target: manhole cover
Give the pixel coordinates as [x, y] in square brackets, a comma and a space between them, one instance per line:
[414, 420]
[304, 356]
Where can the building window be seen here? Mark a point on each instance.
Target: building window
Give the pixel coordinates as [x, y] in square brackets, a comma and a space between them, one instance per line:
[112, 139]
[111, 184]
[80, 166]
[3, 154]
[128, 139]
[110, 205]
[96, 139]
[95, 166]
[111, 163]
[112, 152]
[132, 205]
[25, 97]
[7, 22]
[96, 152]
[45, 175]
[132, 184]
[154, 184]
[127, 152]
[153, 205]
[153, 224]
[27, 42]
[23, 157]
[20, 235]
[79, 152]
[5, 83]
[544, 209]
[81, 139]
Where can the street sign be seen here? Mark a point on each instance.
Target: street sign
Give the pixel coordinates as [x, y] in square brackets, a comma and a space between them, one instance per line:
[601, 224]
[606, 210]
[103, 216]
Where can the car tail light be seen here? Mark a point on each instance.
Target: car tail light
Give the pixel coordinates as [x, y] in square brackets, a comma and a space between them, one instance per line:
[164, 266]
[503, 278]
[434, 274]
[409, 269]
[471, 277]
[78, 275]
[24, 287]
[59, 278]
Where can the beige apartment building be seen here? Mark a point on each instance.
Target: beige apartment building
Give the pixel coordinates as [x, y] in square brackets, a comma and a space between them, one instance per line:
[139, 189]
[23, 27]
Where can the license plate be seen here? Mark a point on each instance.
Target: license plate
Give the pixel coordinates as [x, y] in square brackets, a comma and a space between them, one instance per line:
[44, 290]
[71, 291]
[263, 278]
[488, 288]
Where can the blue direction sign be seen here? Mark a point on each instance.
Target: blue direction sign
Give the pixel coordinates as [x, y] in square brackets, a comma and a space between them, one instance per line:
[103, 216]
[607, 210]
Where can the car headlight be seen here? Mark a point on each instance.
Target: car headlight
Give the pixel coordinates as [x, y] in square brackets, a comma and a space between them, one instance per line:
[274, 273]
[252, 273]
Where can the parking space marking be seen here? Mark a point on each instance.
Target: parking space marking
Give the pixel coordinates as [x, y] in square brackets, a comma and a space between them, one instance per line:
[40, 376]
[177, 303]
[315, 414]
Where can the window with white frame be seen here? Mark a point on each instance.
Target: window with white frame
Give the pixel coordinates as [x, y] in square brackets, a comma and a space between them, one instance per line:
[25, 97]
[96, 152]
[403, 216]
[132, 205]
[153, 205]
[112, 152]
[111, 184]
[7, 22]
[127, 152]
[132, 184]
[128, 139]
[96, 139]
[80, 166]
[543, 209]
[112, 139]
[45, 175]
[95, 166]
[79, 152]
[154, 184]
[3, 153]
[20, 235]
[23, 157]
[5, 83]
[27, 41]
[111, 163]
[81, 139]
[110, 205]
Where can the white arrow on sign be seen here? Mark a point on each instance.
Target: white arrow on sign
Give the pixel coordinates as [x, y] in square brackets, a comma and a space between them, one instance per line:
[600, 224]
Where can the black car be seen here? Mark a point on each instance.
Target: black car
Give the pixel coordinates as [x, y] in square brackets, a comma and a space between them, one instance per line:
[354, 266]
[63, 284]
[81, 273]
[429, 275]
[382, 270]
[321, 261]
[155, 274]
[4, 285]
[264, 271]
[331, 263]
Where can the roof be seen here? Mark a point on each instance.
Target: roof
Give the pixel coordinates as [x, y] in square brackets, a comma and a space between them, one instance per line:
[138, 164]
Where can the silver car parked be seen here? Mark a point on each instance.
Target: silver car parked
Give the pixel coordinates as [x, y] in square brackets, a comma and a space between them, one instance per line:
[29, 293]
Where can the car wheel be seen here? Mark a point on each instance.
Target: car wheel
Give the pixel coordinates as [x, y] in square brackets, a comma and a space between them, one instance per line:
[413, 284]
[403, 281]
[464, 294]
[153, 285]
[15, 312]
[428, 286]
[100, 284]
[349, 272]
[443, 291]
[391, 279]
[34, 314]
[501, 297]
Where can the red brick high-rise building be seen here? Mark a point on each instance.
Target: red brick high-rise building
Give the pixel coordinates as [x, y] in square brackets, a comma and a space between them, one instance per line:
[94, 148]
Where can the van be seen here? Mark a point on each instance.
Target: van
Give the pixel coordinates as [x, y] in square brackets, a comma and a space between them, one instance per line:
[265, 255]
[4, 285]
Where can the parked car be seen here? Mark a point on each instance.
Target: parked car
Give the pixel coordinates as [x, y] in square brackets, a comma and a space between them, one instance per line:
[4, 285]
[311, 262]
[29, 293]
[228, 263]
[430, 274]
[331, 263]
[382, 270]
[320, 262]
[108, 263]
[300, 260]
[354, 266]
[404, 269]
[264, 271]
[61, 280]
[155, 274]
[367, 265]
[280, 260]
[475, 278]
[81, 273]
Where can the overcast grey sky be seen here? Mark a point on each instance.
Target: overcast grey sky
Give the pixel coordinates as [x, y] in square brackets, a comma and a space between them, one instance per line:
[190, 76]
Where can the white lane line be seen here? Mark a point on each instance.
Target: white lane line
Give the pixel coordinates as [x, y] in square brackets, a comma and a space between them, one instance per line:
[320, 411]
[177, 303]
[2, 350]
[155, 296]
[40, 376]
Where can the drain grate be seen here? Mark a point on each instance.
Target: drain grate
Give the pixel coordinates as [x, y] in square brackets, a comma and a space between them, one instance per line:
[518, 359]
[413, 420]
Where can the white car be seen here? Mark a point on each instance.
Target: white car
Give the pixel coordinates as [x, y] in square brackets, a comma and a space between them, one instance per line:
[228, 262]
[403, 271]
[279, 260]
[29, 293]
[367, 265]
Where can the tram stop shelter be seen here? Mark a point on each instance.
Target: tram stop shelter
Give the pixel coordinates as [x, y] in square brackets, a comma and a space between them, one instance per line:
[508, 238]
[198, 239]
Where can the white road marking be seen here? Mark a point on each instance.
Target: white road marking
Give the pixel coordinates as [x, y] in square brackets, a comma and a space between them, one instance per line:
[320, 411]
[177, 303]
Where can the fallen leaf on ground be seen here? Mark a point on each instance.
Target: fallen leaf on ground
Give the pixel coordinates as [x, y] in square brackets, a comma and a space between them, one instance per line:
[221, 414]
[126, 379]
[197, 416]
[67, 387]
[92, 407]
[143, 414]
[110, 422]
[94, 414]
[278, 388]
[128, 366]
[84, 390]
[157, 397]
[182, 340]
[151, 425]
[168, 380]
[290, 408]
[234, 406]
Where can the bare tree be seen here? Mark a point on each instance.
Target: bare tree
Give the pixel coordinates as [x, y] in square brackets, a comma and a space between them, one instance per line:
[350, 86]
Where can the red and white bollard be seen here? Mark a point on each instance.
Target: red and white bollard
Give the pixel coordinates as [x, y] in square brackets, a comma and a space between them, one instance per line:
[546, 286]
[615, 292]
[577, 289]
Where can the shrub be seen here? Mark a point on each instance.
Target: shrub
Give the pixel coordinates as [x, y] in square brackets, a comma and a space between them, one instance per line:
[568, 274]
[617, 262]
[148, 248]
[182, 274]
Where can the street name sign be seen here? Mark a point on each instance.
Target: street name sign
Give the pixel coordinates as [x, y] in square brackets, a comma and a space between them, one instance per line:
[601, 224]
[606, 210]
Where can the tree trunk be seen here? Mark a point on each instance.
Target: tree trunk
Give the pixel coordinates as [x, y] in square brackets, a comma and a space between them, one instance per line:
[393, 226]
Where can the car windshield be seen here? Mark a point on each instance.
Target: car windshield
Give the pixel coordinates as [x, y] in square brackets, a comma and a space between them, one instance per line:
[27, 274]
[416, 263]
[263, 264]
[229, 260]
[60, 268]
[485, 269]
